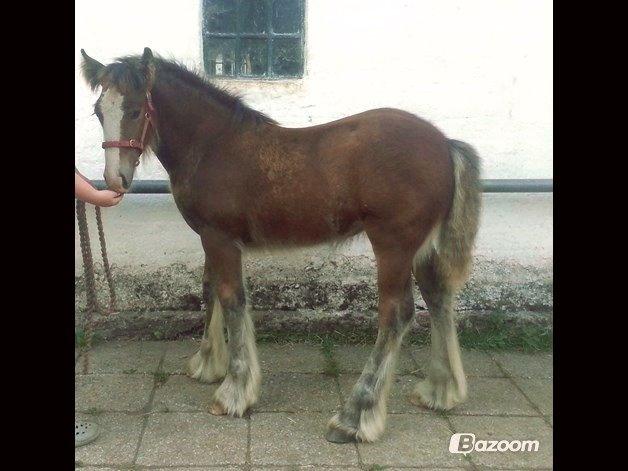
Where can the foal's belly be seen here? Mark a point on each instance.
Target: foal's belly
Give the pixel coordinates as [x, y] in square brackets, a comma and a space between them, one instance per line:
[287, 224]
[309, 226]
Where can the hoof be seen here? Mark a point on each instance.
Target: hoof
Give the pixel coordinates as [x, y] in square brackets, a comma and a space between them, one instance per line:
[339, 432]
[217, 409]
[416, 400]
[439, 396]
[233, 399]
[335, 435]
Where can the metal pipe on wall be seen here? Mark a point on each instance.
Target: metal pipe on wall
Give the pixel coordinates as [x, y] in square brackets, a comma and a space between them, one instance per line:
[153, 187]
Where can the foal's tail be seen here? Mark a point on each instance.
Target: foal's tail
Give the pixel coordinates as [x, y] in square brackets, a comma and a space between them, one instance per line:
[452, 243]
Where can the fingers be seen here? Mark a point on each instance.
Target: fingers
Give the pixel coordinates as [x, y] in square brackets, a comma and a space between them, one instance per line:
[110, 198]
[116, 198]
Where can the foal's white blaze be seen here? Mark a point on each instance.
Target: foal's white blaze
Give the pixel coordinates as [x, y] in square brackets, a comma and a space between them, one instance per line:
[112, 112]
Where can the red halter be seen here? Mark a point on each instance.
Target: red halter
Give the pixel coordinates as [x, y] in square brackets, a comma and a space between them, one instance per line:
[133, 143]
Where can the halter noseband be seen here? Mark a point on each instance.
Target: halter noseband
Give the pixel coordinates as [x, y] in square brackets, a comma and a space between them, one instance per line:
[134, 143]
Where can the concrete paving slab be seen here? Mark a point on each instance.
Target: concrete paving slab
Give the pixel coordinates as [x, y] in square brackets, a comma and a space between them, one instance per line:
[112, 392]
[183, 394]
[406, 468]
[494, 396]
[117, 442]
[298, 392]
[398, 397]
[490, 396]
[539, 391]
[474, 363]
[202, 468]
[290, 357]
[177, 355]
[124, 357]
[392, 468]
[412, 440]
[508, 428]
[193, 439]
[526, 365]
[180, 434]
[296, 439]
[352, 358]
[303, 468]
[208, 468]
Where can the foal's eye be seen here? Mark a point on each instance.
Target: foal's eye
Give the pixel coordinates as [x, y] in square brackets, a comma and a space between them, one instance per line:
[134, 114]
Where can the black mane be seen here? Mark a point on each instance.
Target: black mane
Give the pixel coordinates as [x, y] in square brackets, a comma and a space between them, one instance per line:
[128, 73]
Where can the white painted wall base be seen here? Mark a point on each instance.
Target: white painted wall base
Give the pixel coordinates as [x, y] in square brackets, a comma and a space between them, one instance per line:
[146, 232]
[157, 262]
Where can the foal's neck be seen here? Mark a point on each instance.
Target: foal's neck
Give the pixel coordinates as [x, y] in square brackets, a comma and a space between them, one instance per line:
[184, 117]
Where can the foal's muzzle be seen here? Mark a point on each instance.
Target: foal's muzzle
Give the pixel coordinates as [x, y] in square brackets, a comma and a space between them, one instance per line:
[117, 183]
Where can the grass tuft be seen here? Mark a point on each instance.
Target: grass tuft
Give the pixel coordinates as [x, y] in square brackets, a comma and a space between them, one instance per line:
[79, 339]
[94, 411]
[499, 334]
[331, 366]
[160, 378]
[495, 333]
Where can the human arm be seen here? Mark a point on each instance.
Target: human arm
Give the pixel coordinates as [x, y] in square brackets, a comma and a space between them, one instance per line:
[85, 191]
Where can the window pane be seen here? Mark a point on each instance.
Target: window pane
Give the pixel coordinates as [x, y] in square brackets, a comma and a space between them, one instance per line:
[220, 16]
[286, 16]
[253, 16]
[219, 55]
[253, 57]
[287, 56]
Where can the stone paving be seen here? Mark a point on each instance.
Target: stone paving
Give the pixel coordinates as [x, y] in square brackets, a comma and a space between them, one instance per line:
[154, 417]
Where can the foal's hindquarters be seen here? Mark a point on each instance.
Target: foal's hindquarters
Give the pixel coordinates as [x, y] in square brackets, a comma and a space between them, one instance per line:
[408, 239]
[440, 259]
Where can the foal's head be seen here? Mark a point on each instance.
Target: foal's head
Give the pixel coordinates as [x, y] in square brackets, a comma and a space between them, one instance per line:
[121, 109]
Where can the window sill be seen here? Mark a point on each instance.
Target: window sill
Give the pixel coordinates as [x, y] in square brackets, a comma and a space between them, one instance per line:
[295, 80]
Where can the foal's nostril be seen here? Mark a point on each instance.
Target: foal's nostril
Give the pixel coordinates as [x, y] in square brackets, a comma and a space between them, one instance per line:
[125, 184]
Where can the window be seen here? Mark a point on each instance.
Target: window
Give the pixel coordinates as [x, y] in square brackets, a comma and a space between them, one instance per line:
[253, 38]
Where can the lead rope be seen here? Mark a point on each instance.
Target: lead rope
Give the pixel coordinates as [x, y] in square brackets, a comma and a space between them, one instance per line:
[105, 262]
[90, 278]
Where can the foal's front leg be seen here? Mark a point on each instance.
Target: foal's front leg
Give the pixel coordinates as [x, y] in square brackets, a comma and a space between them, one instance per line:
[209, 364]
[240, 388]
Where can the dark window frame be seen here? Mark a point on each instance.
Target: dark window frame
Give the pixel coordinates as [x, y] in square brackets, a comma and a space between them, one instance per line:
[268, 36]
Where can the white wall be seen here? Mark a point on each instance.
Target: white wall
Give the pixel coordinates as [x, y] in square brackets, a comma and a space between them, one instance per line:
[481, 70]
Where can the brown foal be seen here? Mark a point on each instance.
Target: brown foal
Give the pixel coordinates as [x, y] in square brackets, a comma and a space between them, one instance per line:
[242, 181]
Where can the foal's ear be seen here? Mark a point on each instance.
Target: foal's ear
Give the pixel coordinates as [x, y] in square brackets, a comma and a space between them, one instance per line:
[92, 70]
[148, 64]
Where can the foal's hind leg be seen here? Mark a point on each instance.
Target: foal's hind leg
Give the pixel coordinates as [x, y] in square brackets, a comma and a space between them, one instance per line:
[240, 388]
[363, 415]
[209, 364]
[445, 385]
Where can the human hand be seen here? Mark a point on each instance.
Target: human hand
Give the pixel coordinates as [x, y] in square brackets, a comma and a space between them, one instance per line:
[107, 198]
